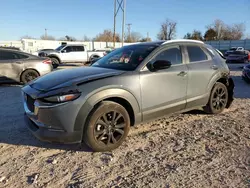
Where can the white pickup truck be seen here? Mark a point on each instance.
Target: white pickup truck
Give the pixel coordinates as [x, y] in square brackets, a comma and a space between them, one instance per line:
[70, 53]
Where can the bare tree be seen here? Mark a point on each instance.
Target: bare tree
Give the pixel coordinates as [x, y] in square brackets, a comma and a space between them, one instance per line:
[48, 37]
[134, 37]
[106, 36]
[86, 38]
[168, 30]
[227, 32]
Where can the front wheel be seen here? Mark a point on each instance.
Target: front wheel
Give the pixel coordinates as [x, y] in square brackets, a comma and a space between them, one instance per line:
[107, 127]
[218, 99]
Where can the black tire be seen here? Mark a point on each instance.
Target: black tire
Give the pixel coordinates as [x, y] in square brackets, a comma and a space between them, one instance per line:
[108, 134]
[93, 57]
[218, 99]
[29, 75]
[55, 62]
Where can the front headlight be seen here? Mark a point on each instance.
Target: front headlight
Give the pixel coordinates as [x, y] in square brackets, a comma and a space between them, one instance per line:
[62, 98]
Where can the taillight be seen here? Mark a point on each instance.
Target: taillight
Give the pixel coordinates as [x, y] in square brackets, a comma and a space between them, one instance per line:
[47, 61]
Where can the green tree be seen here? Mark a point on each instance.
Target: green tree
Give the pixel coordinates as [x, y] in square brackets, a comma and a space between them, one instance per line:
[210, 34]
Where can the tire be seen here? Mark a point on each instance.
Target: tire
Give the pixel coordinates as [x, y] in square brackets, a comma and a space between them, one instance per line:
[99, 136]
[29, 75]
[55, 62]
[93, 57]
[218, 99]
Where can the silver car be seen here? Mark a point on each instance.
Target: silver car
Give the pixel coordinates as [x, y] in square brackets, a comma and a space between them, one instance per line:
[131, 85]
[22, 67]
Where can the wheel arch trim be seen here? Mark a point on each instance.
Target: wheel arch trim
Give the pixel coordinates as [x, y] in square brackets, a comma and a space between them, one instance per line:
[99, 96]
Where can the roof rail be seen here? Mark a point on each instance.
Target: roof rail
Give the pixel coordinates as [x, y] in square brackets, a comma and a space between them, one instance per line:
[183, 40]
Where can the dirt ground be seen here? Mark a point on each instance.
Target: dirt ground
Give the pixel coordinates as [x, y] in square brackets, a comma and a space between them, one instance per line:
[187, 150]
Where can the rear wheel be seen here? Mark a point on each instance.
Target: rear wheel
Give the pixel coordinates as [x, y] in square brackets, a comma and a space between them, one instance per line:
[28, 76]
[55, 62]
[218, 99]
[107, 127]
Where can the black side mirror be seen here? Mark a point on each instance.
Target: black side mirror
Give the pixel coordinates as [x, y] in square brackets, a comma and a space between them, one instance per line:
[161, 64]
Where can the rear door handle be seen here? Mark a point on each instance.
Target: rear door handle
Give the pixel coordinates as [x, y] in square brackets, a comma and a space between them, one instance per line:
[182, 73]
[214, 67]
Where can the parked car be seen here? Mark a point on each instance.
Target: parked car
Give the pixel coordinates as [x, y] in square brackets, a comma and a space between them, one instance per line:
[233, 49]
[246, 73]
[71, 53]
[131, 85]
[238, 57]
[22, 67]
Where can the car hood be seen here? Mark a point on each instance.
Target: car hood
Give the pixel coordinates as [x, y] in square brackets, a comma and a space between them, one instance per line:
[69, 77]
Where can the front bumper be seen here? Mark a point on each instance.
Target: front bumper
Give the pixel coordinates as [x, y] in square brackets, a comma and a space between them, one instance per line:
[245, 76]
[52, 135]
[53, 123]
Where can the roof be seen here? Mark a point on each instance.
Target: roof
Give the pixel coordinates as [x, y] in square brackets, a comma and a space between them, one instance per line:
[162, 42]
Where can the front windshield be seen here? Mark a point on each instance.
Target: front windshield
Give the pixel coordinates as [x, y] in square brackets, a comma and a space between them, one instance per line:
[60, 47]
[126, 58]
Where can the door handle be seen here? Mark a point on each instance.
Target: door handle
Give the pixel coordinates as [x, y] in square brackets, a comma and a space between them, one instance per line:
[182, 73]
[214, 67]
[18, 62]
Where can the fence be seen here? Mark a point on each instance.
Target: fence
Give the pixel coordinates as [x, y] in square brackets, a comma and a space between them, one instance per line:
[227, 44]
[32, 45]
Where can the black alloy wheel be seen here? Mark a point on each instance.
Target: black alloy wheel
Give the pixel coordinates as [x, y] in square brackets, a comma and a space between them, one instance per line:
[218, 99]
[106, 127]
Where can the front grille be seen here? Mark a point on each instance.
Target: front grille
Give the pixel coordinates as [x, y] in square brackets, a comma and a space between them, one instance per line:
[30, 103]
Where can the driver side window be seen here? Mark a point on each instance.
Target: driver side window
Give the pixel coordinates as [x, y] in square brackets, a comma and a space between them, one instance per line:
[68, 49]
[172, 54]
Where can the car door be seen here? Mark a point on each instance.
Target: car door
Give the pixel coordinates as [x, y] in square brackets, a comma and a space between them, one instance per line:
[164, 91]
[202, 68]
[79, 53]
[11, 65]
[67, 54]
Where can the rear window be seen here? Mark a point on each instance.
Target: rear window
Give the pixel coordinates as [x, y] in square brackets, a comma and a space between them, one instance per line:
[7, 55]
[195, 54]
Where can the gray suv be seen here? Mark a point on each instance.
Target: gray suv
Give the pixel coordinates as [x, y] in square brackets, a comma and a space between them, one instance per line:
[134, 84]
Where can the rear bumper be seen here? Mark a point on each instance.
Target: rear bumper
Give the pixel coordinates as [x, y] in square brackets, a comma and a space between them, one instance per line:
[52, 135]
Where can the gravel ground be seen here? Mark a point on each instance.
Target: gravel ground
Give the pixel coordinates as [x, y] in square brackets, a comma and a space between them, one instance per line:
[186, 150]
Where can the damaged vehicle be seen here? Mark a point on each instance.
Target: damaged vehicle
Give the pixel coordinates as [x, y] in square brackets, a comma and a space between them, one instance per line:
[131, 85]
[17, 66]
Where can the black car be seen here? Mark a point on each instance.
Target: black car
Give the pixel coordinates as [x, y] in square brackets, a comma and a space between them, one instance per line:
[246, 73]
[238, 57]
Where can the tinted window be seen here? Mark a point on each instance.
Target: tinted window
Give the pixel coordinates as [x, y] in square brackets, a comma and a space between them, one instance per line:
[5, 55]
[173, 55]
[78, 48]
[125, 58]
[68, 49]
[195, 53]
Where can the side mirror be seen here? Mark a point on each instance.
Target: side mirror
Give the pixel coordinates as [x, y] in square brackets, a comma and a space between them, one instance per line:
[161, 64]
[64, 51]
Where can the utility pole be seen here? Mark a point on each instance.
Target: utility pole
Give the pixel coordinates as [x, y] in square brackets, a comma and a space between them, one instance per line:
[122, 7]
[123, 20]
[45, 34]
[114, 37]
[129, 31]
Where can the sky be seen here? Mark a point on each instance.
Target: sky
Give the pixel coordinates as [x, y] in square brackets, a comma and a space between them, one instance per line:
[90, 17]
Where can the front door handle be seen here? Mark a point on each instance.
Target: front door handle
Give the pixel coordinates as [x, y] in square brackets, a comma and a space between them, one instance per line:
[18, 62]
[182, 73]
[214, 67]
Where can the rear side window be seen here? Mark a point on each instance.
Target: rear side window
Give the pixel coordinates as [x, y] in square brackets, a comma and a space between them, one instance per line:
[78, 48]
[195, 54]
[6, 55]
